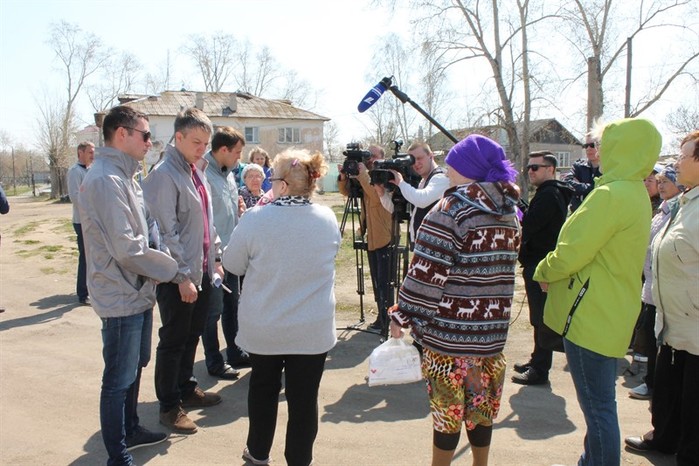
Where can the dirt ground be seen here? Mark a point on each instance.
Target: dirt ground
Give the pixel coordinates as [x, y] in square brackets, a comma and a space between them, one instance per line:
[51, 365]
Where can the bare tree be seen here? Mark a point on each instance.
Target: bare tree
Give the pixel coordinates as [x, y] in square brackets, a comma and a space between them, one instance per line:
[682, 121]
[434, 78]
[118, 76]
[256, 72]
[80, 54]
[465, 31]
[214, 56]
[333, 149]
[160, 80]
[601, 31]
[390, 119]
[51, 141]
[297, 90]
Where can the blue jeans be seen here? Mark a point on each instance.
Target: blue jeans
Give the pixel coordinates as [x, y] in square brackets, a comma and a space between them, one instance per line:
[594, 377]
[223, 306]
[81, 283]
[126, 349]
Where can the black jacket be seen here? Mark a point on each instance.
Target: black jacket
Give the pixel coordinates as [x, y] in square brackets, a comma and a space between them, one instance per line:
[542, 222]
[582, 179]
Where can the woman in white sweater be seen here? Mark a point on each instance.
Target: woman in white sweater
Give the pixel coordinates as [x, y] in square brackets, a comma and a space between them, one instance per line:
[286, 315]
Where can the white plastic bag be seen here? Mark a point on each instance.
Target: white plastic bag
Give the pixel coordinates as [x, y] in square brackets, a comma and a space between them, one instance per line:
[394, 362]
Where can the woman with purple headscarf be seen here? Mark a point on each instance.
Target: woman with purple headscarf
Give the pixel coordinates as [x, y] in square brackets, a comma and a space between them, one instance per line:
[457, 295]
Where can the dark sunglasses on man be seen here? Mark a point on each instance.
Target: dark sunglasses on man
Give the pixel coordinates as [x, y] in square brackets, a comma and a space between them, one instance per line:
[535, 166]
[145, 134]
[589, 144]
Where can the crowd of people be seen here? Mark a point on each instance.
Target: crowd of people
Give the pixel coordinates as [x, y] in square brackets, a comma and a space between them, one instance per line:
[201, 221]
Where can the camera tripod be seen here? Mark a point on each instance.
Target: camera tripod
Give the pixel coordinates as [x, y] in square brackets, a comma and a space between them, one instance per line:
[353, 208]
[397, 260]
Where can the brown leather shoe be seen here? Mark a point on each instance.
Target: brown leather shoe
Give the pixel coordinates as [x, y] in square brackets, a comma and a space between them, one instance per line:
[200, 399]
[177, 420]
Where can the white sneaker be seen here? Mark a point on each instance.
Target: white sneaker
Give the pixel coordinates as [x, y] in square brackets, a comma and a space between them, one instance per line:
[642, 392]
[253, 460]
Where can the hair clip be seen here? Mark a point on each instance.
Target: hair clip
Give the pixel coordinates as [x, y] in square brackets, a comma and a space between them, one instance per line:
[295, 162]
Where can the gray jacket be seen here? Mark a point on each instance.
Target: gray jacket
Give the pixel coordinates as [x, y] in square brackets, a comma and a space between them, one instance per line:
[176, 206]
[75, 177]
[120, 265]
[224, 198]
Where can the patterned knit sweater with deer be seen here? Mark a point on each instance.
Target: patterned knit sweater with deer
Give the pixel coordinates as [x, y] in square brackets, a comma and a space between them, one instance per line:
[457, 295]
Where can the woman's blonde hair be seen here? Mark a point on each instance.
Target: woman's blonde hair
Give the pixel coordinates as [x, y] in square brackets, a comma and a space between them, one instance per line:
[300, 170]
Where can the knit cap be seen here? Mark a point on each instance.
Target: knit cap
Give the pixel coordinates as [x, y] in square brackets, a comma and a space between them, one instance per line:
[670, 173]
[481, 159]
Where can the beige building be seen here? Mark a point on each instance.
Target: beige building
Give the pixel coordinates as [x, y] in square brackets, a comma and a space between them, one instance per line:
[547, 134]
[275, 125]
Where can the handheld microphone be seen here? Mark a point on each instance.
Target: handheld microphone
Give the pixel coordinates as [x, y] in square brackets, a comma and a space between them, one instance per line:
[373, 95]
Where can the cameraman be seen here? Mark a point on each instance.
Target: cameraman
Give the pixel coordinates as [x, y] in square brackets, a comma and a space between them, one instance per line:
[432, 185]
[375, 223]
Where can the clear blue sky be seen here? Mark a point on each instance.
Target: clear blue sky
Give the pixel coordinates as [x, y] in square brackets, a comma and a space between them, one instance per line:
[329, 44]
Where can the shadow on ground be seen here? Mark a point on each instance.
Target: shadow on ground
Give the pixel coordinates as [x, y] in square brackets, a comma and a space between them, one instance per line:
[56, 305]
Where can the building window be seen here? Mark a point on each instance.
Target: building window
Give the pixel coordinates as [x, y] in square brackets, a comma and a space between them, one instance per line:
[289, 136]
[252, 134]
[563, 159]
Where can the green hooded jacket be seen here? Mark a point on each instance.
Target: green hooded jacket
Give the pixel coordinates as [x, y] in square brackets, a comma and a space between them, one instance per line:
[603, 243]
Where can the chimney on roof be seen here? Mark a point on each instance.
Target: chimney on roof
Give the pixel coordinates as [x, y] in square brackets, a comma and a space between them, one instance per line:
[233, 102]
[199, 100]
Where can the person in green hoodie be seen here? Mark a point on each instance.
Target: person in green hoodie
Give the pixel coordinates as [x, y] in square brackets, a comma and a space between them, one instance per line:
[593, 278]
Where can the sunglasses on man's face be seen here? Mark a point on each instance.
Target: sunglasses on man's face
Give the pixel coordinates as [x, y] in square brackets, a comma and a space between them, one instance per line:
[589, 144]
[145, 134]
[535, 166]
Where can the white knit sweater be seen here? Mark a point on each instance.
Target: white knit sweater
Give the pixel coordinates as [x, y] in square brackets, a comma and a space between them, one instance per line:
[287, 254]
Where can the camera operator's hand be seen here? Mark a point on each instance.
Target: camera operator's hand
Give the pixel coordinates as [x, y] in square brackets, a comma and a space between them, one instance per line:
[341, 175]
[362, 168]
[397, 178]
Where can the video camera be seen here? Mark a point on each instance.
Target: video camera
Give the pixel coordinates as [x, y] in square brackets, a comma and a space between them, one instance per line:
[354, 155]
[381, 171]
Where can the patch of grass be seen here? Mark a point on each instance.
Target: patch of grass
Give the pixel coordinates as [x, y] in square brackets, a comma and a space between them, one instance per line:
[65, 226]
[48, 251]
[47, 270]
[27, 228]
[27, 241]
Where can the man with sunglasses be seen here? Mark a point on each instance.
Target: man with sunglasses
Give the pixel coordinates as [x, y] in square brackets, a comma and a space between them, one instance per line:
[584, 171]
[540, 226]
[122, 270]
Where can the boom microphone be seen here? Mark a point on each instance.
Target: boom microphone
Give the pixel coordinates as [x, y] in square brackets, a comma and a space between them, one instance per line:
[373, 95]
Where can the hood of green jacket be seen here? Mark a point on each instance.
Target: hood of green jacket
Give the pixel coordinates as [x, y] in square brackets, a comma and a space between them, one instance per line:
[628, 150]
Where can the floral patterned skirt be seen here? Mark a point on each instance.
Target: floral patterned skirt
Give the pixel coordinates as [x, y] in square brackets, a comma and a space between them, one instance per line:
[463, 389]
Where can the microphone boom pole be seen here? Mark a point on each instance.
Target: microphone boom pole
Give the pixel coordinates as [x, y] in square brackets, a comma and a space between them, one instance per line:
[403, 97]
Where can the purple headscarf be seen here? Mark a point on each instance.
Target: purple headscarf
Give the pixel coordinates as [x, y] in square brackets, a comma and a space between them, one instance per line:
[481, 159]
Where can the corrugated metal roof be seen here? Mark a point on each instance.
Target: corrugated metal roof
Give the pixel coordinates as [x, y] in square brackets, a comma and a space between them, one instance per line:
[217, 104]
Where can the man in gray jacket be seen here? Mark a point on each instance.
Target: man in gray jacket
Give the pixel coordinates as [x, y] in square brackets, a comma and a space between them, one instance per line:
[177, 193]
[226, 148]
[75, 176]
[122, 270]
